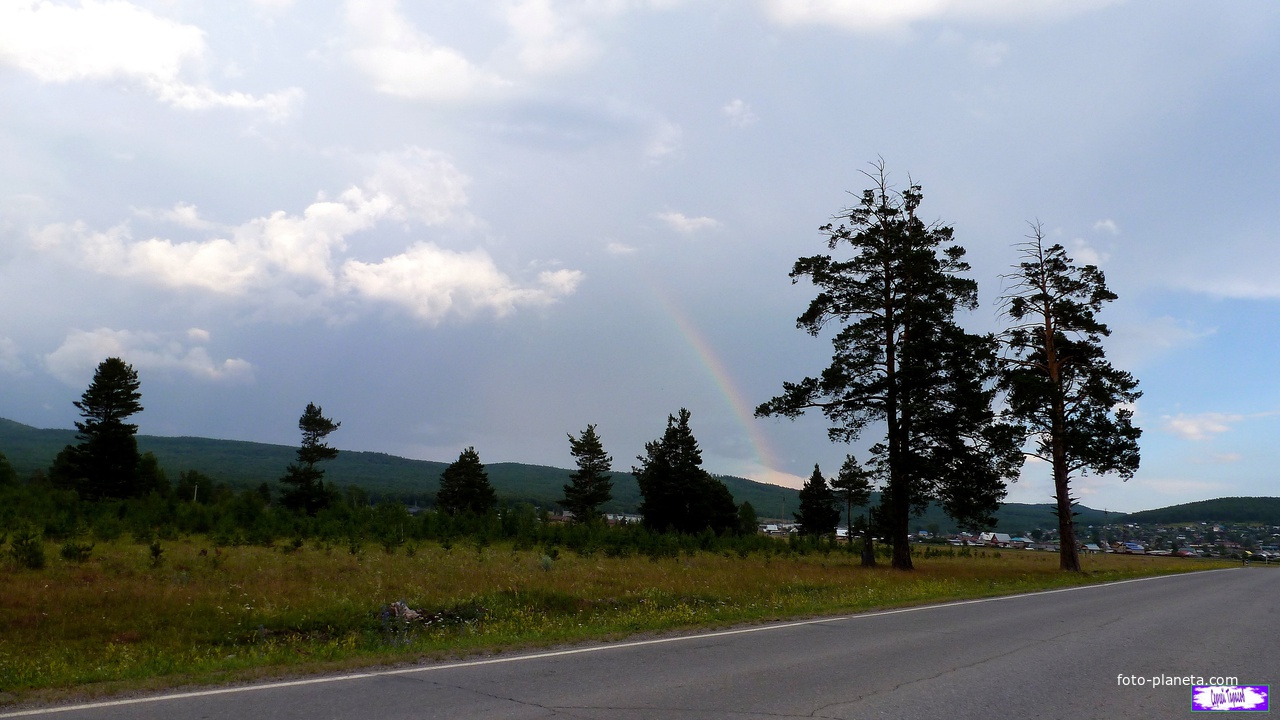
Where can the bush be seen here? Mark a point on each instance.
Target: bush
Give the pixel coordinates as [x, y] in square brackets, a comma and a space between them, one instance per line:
[73, 551]
[157, 553]
[27, 549]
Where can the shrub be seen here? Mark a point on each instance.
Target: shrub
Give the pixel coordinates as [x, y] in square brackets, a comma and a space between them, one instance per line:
[27, 549]
[157, 553]
[73, 551]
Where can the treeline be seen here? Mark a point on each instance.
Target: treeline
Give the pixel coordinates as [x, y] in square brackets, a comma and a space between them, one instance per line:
[102, 488]
[952, 415]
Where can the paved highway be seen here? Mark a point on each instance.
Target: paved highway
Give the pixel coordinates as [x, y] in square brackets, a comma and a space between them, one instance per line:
[1058, 654]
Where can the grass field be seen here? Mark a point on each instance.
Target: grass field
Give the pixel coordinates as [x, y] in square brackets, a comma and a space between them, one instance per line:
[120, 621]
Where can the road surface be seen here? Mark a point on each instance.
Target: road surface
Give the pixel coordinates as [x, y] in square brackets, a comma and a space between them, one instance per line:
[1091, 652]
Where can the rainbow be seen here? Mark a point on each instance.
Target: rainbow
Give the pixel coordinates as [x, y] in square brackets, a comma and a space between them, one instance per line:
[743, 410]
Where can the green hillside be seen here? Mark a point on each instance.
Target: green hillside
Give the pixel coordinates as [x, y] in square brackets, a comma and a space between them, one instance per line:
[1263, 510]
[248, 464]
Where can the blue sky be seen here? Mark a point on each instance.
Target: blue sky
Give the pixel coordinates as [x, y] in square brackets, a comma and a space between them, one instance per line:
[489, 224]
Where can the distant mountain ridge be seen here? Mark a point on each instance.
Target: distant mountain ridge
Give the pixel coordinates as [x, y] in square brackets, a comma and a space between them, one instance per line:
[1263, 510]
[247, 464]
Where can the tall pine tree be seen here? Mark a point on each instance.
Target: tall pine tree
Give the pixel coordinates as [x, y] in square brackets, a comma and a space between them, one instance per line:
[105, 462]
[591, 485]
[901, 360]
[306, 489]
[678, 495]
[465, 488]
[818, 514]
[1058, 382]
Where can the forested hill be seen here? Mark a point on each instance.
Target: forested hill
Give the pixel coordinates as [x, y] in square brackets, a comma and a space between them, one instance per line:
[1263, 510]
[248, 464]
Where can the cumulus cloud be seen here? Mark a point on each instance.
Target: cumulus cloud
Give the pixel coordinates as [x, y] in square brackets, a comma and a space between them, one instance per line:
[1202, 426]
[687, 225]
[424, 184]
[432, 282]
[117, 40]
[296, 263]
[181, 214]
[74, 361]
[877, 16]
[1107, 225]
[617, 248]
[739, 113]
[259, 253]
[404, 62]
[549, 39]
[1085, 254]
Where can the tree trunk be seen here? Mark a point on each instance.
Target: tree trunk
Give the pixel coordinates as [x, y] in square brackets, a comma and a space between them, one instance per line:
[868, 547]
[1068, 554]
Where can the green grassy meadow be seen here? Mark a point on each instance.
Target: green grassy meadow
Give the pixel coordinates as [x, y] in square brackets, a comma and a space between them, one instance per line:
[120, 622]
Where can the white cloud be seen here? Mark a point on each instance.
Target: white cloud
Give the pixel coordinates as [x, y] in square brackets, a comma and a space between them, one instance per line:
[878, 16]
[432, 282]
[404, 62]
[1202, 426]
[274, 5]
[424, 182]
[181, 214]
[739, 113]
[688, 225]
[262, 252]
[1107, 225]
[617, 248]
[74, 361]
[116, 40]
[549, 39]
[1085, 254]
[1134, 342]
[294, 264]
[665, 141]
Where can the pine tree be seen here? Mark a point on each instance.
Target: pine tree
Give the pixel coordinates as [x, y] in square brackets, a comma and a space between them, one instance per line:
[678, 495]
[465, 488]
[307, 491]
[900, 358]
[1058, 381]
[818, 514]
[852, 487]
[591, 486]
[105, 463]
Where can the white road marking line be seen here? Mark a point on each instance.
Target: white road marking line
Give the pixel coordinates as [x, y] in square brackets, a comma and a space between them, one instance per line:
[571, 651]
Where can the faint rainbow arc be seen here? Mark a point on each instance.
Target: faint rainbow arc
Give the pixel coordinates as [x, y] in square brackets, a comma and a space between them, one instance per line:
[742, 410]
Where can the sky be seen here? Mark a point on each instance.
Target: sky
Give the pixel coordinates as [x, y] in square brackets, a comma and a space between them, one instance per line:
[490, 224]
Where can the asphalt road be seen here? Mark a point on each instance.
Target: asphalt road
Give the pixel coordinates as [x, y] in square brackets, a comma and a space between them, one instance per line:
[1046, 655]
